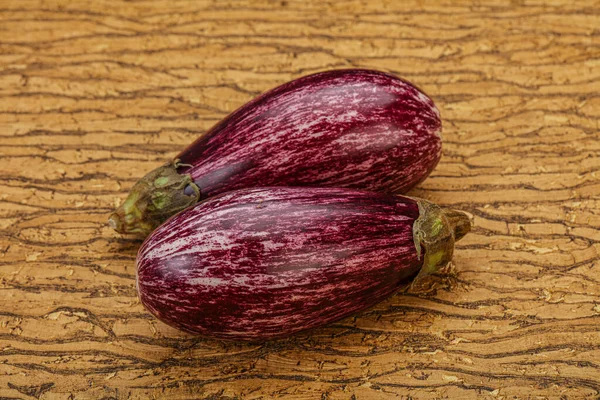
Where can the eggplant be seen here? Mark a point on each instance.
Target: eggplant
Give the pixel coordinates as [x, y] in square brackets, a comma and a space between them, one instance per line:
[346, 128]
[262, 263]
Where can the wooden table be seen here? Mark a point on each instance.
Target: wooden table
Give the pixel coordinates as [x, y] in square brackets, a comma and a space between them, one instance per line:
[93, 95]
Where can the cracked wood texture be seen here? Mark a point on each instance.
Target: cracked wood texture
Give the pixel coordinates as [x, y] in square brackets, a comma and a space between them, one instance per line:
[95, 94]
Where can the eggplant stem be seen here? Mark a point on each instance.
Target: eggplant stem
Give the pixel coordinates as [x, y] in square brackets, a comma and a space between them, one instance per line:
[154, 198]
[434, 233]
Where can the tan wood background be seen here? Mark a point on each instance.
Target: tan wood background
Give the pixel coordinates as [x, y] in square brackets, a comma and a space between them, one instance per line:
[95, 94]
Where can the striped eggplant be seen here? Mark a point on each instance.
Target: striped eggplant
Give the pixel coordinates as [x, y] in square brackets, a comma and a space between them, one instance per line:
[347, 128]
[262, 263]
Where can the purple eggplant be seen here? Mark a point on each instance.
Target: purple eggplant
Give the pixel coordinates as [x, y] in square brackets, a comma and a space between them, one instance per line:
[347, 128]
[262, 263]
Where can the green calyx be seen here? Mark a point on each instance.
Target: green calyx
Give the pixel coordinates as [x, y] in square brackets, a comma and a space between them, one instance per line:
[435, 232]
[153, 199]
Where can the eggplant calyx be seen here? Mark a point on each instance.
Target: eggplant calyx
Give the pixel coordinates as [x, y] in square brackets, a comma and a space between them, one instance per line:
[435, 232]
[153, 199]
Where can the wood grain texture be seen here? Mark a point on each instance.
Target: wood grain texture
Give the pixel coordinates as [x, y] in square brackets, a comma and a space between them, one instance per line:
[95, 94]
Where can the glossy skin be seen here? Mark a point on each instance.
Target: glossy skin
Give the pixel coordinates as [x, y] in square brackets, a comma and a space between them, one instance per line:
[257, 264]
[345, 128]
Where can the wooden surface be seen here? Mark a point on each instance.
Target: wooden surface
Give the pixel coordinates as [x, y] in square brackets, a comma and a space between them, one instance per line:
[95, 94]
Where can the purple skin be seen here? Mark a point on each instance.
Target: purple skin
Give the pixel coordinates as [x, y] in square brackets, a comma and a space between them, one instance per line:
[345, 128]
[257, 264]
